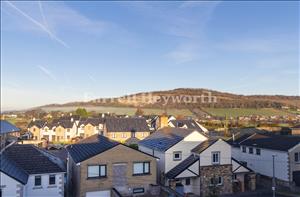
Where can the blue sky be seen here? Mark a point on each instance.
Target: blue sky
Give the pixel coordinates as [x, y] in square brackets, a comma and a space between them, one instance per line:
[56, 52]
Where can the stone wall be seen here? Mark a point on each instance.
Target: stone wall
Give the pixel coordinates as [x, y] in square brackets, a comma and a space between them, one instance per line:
[215, 171]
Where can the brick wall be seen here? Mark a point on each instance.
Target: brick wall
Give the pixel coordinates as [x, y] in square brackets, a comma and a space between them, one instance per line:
[117, 155]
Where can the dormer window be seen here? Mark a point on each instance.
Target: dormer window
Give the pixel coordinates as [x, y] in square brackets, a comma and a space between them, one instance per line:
[215, 156]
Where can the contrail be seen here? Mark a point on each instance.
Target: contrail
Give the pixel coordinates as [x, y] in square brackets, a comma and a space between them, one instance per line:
[47, 72]
[42, 13]
[53, 36]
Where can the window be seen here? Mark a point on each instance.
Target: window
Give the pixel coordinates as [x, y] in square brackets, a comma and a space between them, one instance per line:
[187, 181]
[68, 137]
[215, 157]
[138, 190]
[52, 179]
[250, 150]
[220, 181]
[124, 135]
[96, 171]
[244, 149]
[133, 134]
[212, 181]
[114, 135]
[68, 130]
[297, 157]
[258, 151]
[234, 177]
[37, 181]
[177, 155]
[141, 168]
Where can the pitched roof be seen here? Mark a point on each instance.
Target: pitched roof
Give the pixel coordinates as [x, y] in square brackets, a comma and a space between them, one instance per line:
[31, 160]
[126, 124]
[242, 134]
[174, 172]
[65, 123]
[238, 139]
[165, 138]
[190, 124]
[90, 147]
[204, 145]
[94, 121]
[273, 142]
[7, 127]
[37, 123]
[241, 164]
[11, 169]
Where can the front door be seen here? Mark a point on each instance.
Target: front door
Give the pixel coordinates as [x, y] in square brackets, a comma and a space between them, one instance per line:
[296, 178]
[120, 176]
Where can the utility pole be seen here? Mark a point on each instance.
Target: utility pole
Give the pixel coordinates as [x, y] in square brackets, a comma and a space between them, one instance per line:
[273, 180]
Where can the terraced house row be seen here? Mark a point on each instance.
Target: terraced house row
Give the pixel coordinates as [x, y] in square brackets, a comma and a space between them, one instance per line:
[66, 129]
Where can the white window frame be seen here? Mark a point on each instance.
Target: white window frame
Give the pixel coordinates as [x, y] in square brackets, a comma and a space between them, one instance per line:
[35, 181]
[180, 156]
[218, 153]
[218, 180]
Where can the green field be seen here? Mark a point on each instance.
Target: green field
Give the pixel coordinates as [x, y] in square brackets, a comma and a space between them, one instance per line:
[122, 110]
[235, 112]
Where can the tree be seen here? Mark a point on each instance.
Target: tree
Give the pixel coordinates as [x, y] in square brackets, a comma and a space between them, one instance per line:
[81, 112]
[139, 112]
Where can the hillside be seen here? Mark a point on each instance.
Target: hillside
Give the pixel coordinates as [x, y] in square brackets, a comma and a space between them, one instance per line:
[181, 98]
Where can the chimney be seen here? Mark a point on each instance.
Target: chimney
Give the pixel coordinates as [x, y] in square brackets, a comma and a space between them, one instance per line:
[33, 119]
[72, 119]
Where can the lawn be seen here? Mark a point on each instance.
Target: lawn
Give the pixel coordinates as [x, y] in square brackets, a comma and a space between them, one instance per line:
[122, 110]
[235, 112]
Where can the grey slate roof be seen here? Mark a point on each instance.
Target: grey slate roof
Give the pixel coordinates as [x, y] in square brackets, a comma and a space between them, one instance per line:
[182, 166]
[191, 124]
[204, 145]
[273, 142]
[11, 169]
[126, 124]
[90, 147]
[165, 138]
[94, 121]
[238, 139]
[6, 127]
[65, 124]
[37, 123]
[31, 160]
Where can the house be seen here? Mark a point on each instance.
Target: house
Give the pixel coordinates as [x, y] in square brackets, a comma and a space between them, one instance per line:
[98, 165]
[296, 130]
[27, 172]
[122, 129]
[210, 169]
[6, 131]
[187, 124]
[257, 151]
[93, 126]
[35, 127]
[171, 146]
[65, 130]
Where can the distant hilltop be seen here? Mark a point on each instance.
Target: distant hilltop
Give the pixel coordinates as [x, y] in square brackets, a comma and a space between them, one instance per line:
[183, 98]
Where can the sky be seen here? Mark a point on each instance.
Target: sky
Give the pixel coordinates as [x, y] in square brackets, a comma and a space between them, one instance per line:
[56, 52]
